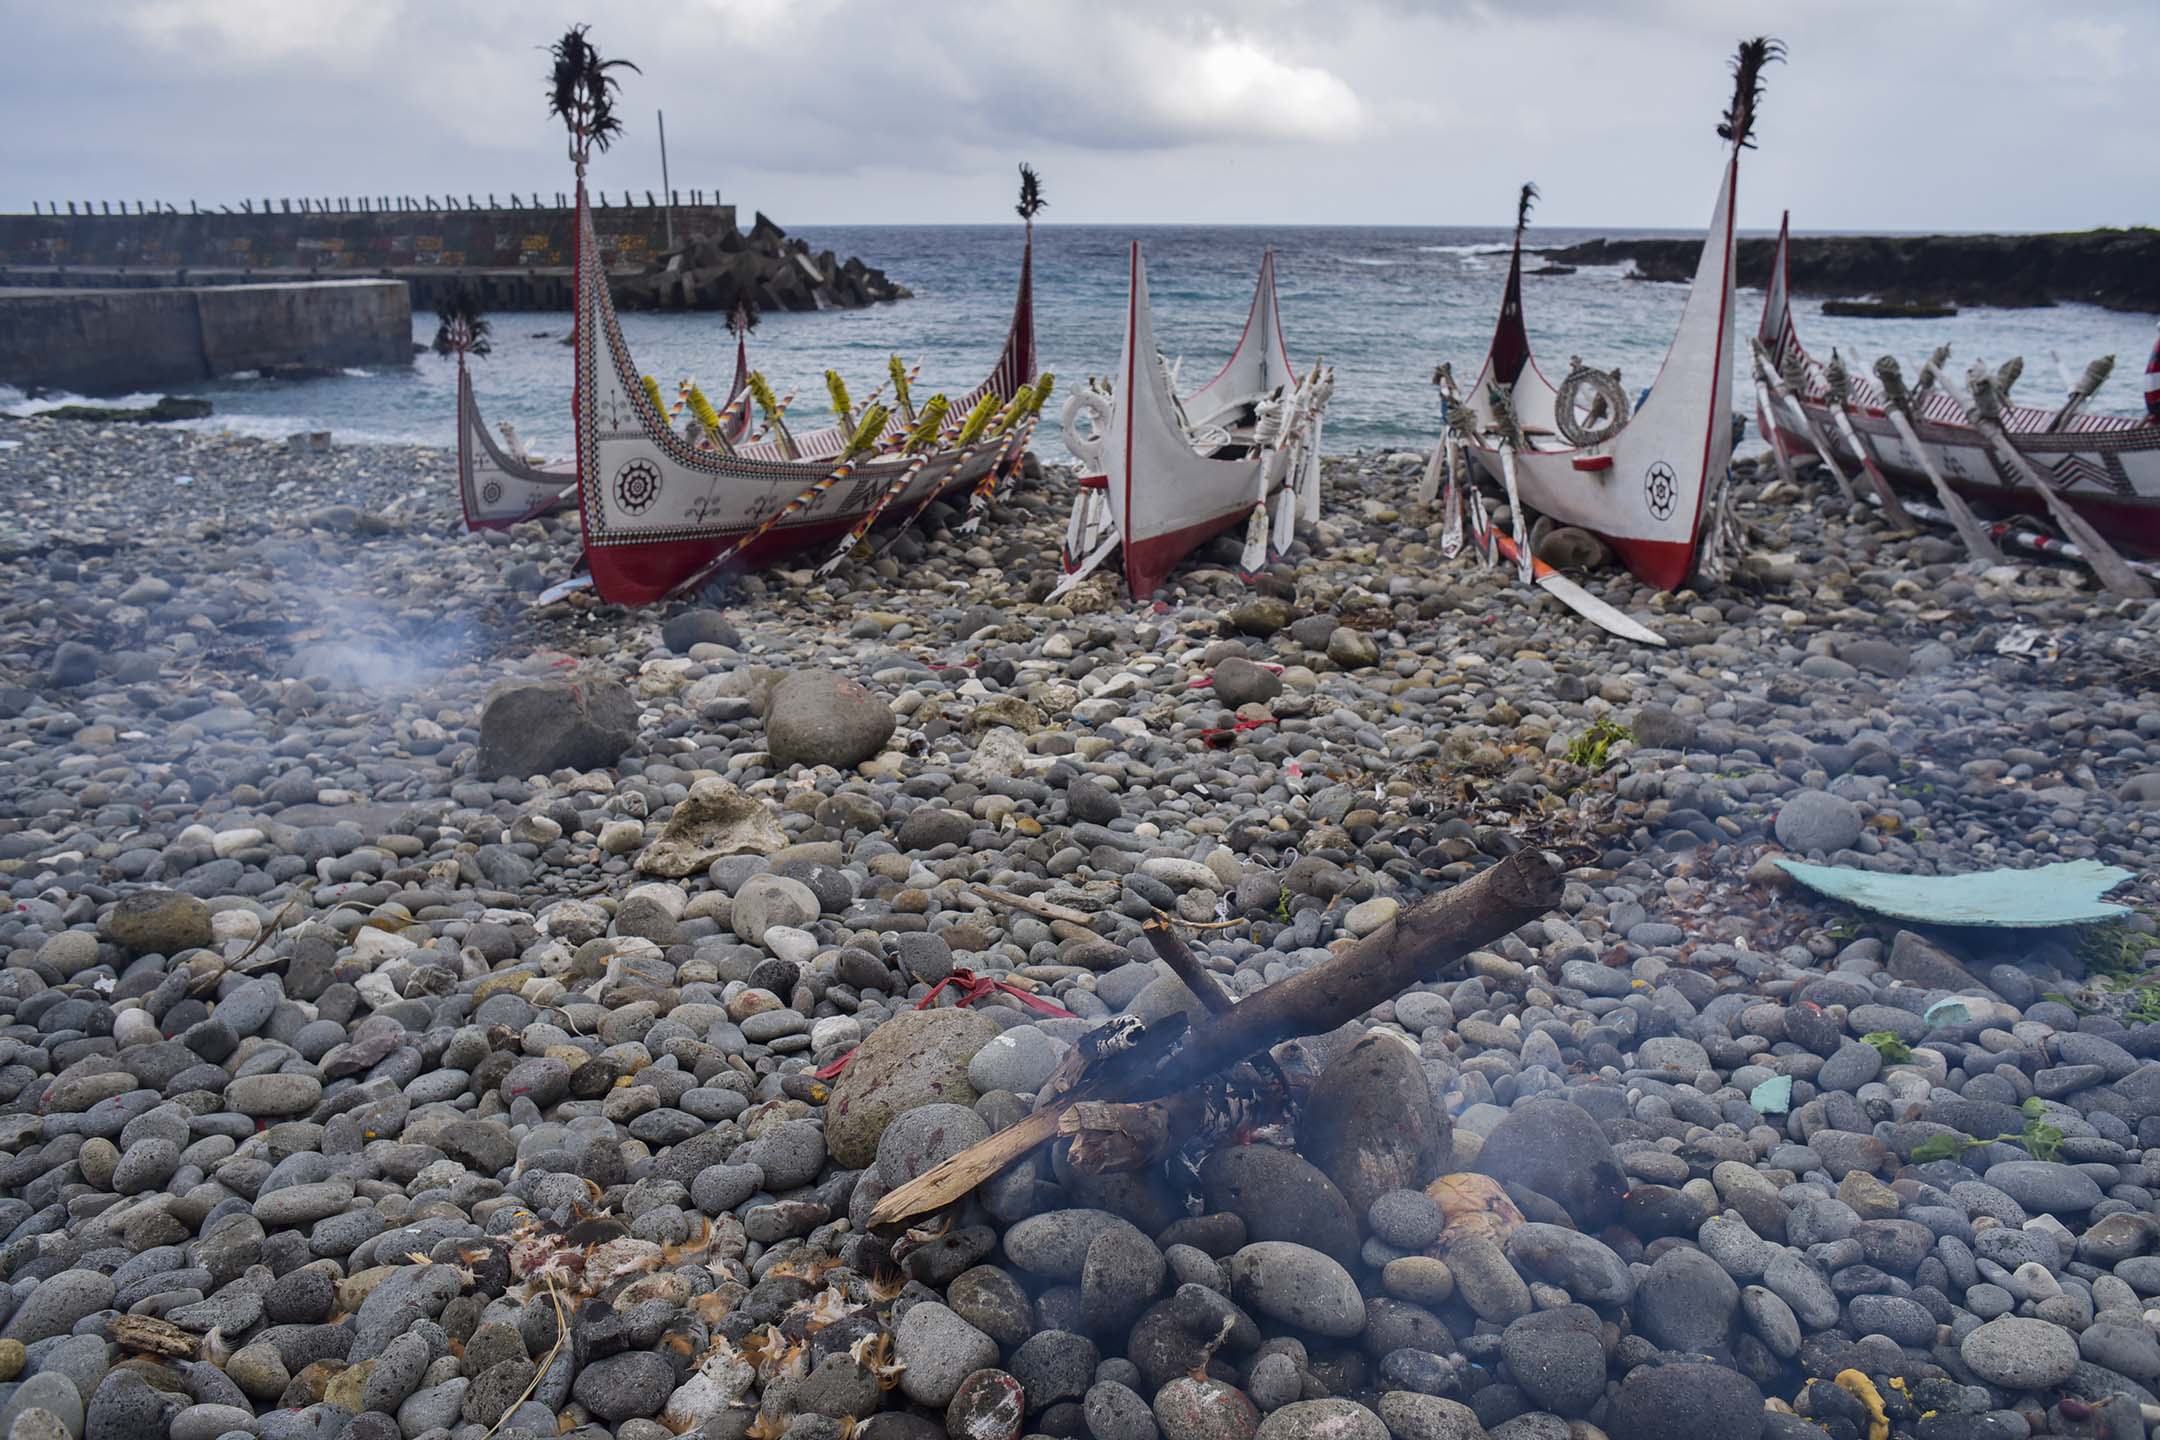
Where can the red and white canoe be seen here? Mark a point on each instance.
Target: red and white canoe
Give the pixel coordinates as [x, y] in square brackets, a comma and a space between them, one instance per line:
[498, 489]
[658, 511]
[1245, 447]
[1642, 489]
[2106, 466]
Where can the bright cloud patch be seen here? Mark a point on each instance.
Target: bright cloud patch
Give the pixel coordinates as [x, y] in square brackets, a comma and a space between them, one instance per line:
[1232, 88]
[257, 31]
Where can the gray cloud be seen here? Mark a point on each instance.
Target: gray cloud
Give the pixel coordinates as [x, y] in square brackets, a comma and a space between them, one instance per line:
[1929, 114]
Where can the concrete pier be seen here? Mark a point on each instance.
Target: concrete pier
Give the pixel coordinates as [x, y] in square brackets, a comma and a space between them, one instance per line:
[658, 256]
[112, 341]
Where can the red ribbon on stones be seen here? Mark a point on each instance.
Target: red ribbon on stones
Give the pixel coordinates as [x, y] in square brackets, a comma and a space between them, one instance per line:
[968, 987]
[1216, 739]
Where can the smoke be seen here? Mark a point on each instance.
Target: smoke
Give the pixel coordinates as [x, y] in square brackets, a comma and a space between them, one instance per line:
[372, 647]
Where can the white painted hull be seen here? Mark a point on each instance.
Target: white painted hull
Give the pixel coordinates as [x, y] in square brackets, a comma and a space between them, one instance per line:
[496, 489]
[1644, 490]
[657, 511]
[1162, 497]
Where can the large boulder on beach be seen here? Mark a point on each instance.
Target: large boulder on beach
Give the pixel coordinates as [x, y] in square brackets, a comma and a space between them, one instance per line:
[1567, 548]
[1816, 822]
[1280, 1197]
[532, 727]
[1370, 1123]
[158, 922]
[1301, 1287]
[819, 717]
[1553, 1146]
[1703, 1402]
[919, 1057]
[680, 633]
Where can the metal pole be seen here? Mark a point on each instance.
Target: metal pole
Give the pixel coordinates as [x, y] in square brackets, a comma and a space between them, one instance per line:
[670, 201]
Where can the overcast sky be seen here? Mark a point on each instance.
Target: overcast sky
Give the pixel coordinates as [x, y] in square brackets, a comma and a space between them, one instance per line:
[1906, 115]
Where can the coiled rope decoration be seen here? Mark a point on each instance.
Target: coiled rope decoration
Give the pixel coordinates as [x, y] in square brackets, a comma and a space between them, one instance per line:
[1590, 407]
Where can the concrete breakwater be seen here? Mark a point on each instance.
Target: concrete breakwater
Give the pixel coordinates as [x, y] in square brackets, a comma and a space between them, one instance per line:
[2117, 269]
[106, 341]
[658, 257]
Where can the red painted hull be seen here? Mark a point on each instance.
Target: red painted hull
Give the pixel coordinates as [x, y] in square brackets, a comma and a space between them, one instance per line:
[2133, 524]
[1149, 562]
[644, 574]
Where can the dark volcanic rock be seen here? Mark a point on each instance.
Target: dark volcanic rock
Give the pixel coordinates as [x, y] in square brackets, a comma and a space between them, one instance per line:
[2112, 268]
[531, 727]
[1702, 1402]
[1553, 1146]
[1281, 1197]
[1371, 1125]
[818, 717]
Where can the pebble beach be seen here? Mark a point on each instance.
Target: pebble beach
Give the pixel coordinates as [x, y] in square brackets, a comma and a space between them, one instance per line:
[415, 1000]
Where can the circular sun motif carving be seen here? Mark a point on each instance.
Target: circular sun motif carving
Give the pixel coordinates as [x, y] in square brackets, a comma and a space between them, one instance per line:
[1661, 488]
[637, 485]
[491, 492]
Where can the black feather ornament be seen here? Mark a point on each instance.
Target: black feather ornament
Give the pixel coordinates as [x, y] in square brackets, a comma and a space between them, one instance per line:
[1738, 123]
[582, 92]
[461, 328]
[1031, 196]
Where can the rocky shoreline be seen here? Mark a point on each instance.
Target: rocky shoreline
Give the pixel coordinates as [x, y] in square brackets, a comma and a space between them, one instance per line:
[2114, 269]
[414, 1000]
[766, 268]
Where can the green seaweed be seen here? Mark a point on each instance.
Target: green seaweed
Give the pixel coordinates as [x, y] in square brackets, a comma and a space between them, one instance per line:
[1894, 1051]
[2041, 1140]
[1592, 750]
[2115, 950]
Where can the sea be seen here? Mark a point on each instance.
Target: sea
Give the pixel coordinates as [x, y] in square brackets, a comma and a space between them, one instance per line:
[1382, 304]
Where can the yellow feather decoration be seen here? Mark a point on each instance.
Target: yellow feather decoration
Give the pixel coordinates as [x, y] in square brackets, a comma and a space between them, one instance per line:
[837, 388]
[1043, 387]
[978, 420]
[652, 393]
[931, 421]
[1010, 415]
[867, 433]
[762, 392]
[898, 370]
[701, 409]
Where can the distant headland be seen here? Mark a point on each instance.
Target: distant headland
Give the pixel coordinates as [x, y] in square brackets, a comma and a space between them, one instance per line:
[2117, 269]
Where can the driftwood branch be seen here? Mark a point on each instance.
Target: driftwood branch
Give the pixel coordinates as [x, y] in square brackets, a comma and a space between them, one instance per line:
[1421, 944]
[1037, 907]
[1187, 967]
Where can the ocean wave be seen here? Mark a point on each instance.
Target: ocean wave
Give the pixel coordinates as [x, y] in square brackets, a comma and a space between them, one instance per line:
[1483, 249]
[281, 427]
[16, 405]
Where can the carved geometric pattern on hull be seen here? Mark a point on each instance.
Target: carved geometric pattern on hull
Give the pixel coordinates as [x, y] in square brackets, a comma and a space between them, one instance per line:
[637, 485]
[2070, 470]
[1660, 489]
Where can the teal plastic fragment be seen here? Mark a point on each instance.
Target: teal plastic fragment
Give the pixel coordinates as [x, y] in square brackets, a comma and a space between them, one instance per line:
[1773, 1096]
[2066, 893]
[1948, 1012]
